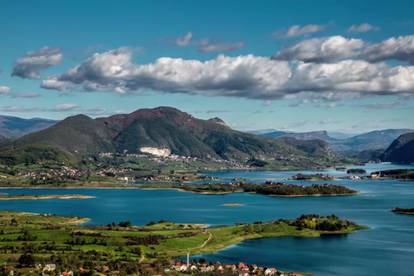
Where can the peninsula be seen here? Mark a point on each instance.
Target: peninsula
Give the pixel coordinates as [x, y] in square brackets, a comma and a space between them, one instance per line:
[37, 197]
[123, 247]
[404, 211]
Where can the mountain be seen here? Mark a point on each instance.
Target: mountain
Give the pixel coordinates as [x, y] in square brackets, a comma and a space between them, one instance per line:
[401, 150]
[166, 127]
[14, 127]
[364, 145]
[374, 140]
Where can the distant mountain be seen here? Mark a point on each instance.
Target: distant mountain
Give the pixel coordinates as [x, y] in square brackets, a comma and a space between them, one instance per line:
[340, 135]
[14, 127]
[369, 144]
[370, 141]
[166, 127]
[401, 150]
[311, 135]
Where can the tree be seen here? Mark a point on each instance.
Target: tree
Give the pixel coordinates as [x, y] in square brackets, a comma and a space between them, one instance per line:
[26, 260]
[126, 223]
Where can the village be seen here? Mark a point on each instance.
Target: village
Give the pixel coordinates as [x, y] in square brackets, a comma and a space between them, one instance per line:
[241, 269]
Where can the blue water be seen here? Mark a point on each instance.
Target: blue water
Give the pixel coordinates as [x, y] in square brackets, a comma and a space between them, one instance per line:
[387, 248]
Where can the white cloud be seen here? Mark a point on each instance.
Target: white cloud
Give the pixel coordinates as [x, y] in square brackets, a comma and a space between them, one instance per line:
[298, 30]
[398, 48]
[25, 95]
[65, 107]
[207, 46]
[321, 49]
[246, 76]
[4, 89]
[184, 40]
[33, 63]
[362, 28]
[54, 84]
[334, 48]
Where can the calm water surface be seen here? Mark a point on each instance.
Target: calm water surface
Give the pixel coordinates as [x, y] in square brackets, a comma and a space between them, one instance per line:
[387, 248]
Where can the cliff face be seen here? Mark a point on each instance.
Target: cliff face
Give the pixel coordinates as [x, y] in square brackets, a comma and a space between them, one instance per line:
[401, 150]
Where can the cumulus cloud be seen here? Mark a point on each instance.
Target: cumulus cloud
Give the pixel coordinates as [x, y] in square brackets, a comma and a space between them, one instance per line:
[184, 40]
[30, 66]
[207, 46]
[298, 30]
[246, 76]
[334, 48]
[362, 28]
[4, 89]
[398, 48]
[321, 49]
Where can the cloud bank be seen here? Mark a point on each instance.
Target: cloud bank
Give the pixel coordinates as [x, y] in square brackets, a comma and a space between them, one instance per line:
[245, 76]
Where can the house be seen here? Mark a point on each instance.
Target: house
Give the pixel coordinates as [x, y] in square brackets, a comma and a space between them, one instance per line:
[270, 271]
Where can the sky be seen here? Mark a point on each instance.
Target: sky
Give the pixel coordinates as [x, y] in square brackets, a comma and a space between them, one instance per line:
[289, 65]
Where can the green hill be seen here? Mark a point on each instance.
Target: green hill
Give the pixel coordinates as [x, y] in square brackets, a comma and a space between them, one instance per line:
[166, 127]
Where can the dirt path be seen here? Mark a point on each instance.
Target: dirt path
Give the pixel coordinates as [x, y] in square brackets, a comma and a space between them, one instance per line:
[210, 236]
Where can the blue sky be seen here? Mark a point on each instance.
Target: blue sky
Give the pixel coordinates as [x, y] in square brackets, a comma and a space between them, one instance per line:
[150, 30]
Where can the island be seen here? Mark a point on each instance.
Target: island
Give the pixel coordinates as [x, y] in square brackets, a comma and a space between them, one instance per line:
[356, 171]
[268, 188]
[39, 243]
[404, 211]
[37, 197]
[313, 177]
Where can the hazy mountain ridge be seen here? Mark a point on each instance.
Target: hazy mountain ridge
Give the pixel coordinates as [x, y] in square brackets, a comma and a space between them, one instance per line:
[14, 127]
[365, 143]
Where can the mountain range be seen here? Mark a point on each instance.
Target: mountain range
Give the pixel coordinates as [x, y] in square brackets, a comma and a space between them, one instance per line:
[166, 127]
[163, 127]
[374, 141]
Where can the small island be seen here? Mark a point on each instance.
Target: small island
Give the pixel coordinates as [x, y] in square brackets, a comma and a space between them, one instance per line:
[313, 177]
[404, 211]
[38, 197]
[154, 246]
[403, 174]
[232, 204]
[356, 171]
[268, 188]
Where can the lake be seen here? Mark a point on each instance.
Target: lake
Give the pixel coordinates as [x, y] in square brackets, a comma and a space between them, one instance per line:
[386, 248]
